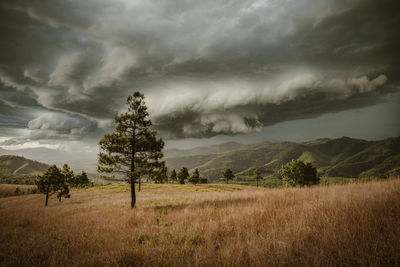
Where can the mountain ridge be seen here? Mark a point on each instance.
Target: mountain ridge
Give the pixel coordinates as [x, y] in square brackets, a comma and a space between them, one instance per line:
[344, 157]
[338, 157]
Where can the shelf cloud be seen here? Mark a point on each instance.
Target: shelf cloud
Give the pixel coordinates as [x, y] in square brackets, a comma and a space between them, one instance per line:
[206, 67]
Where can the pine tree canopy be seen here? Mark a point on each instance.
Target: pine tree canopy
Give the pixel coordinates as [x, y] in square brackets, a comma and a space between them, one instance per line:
[133, 149]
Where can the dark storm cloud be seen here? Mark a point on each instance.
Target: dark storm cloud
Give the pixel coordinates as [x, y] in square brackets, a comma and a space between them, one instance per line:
[206, 67]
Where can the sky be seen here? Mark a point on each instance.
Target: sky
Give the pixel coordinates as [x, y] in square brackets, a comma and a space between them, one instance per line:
[211, 71]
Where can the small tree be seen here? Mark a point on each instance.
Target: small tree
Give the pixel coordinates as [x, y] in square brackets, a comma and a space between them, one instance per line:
[133, 148]
[297, 172]
[257, 176]
[172, 176]
[79, 180]
[53, 181]
[159, 175]
[195, 178]
[182, 175]
[56, 180]
[227, 175]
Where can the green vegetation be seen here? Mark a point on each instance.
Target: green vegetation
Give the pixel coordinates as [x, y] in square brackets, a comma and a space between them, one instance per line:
[19, 170]
[342, 157]
[297, 172]
[172, 176]
[133, 149]
[257, 177]
[182, 175]
[56, 180]
[159, 174]
[8, 190]
[53, 181]
[227, 175]
[195, 177]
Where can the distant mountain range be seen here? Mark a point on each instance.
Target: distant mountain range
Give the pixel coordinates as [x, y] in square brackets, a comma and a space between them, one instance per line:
[342, 157]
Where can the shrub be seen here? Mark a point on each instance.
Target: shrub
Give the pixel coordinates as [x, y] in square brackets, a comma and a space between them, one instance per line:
[297, 172]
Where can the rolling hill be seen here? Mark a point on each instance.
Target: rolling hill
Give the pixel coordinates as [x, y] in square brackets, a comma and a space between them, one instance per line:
[344, 157]
[17, 169]
[77, 161]
[341, 157]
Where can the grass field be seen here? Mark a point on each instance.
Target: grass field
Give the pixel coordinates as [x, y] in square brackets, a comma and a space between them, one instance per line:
[218, 225]
[16, 189]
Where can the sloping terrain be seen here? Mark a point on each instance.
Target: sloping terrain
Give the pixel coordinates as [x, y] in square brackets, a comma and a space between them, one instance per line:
[344, 157]
[214, 149]
[15, 168]
[77, 161]
[21, 165]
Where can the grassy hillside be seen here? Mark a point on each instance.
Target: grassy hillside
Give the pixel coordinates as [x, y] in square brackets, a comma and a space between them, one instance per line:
[207, 225]
[342, 157]
[7, 190]
[213, 149]
[77, 161]
[19, 169]
[187, 161]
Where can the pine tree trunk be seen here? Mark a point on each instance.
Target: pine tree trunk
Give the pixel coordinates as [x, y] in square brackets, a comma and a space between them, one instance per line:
[139, 183]
[133, 193]
[47, 196]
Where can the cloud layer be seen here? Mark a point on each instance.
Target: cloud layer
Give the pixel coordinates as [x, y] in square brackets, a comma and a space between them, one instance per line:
[206, 67]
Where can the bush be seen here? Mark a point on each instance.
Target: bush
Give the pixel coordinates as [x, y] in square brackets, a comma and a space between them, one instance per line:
[17, 191]
[297, 172]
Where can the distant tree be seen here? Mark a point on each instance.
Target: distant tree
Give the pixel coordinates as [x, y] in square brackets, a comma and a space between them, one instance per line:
[133, 148]
[203, 180]
[53, 181]
[195, 178]
[182, 175]
[17, 191]
[172, 176]
[79, 180]
[297, 172]
[159, 175]
[257, 176]
[227, 175]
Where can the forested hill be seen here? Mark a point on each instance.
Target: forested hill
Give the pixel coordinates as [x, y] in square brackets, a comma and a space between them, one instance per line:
[16, 168]
[344, 157]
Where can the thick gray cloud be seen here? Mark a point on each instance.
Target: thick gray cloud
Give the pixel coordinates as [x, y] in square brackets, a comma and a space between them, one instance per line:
[206, 67]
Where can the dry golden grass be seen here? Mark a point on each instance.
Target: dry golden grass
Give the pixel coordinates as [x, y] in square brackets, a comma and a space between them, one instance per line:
[217, 225]
[9, 189]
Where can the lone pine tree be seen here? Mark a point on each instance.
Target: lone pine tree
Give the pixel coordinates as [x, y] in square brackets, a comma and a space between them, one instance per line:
[133, 148]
